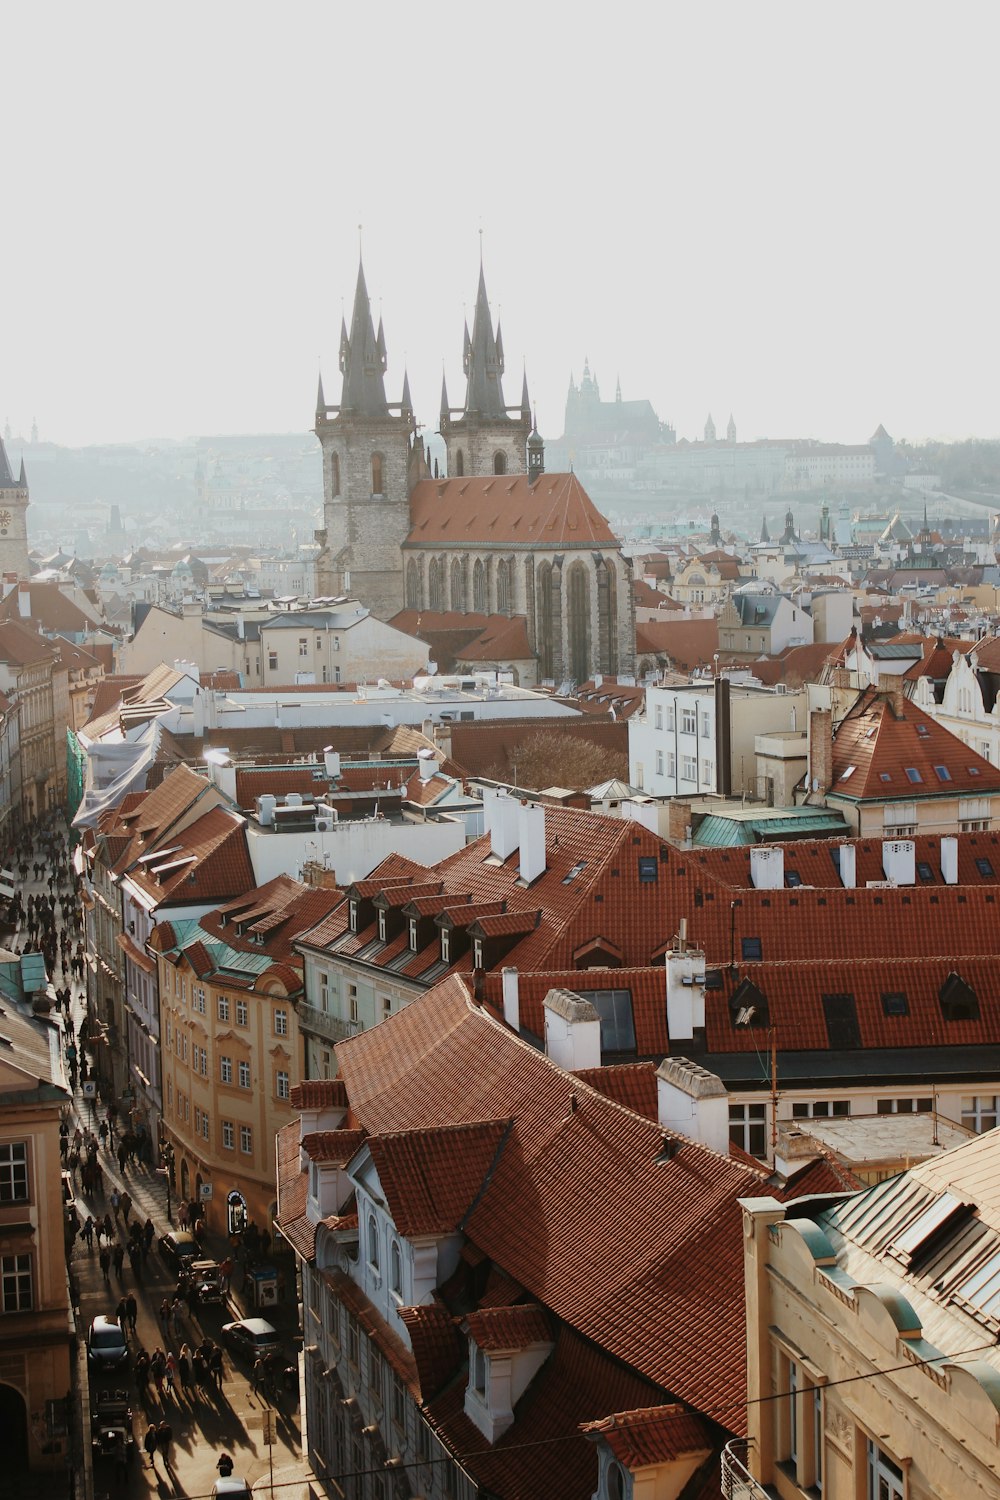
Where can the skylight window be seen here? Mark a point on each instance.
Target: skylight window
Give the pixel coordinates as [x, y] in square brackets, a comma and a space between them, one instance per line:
[793, 878]
[922, 730]
[648, 869]
[942, 773]
[985, 869]
[895, 1003]
[924, 870]
[847, 773]
[884, 776]
[973, 770]
[576, 870]
[913, 774]
[941, 1216]
[751, 948]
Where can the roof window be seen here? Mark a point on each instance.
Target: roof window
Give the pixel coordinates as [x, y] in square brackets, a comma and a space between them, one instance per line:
[617, 1026]
[649, 869]
[849, 772]
[913, 774]
[577, 869]
[942, 773]
[924, 870]
[748, 1005]
[884, 776]
[895, 1003]
[751, 948]
[959, 1001]
[973, 770]
[841, 1015]
[985, 869]
[923, 730]
[793, 878]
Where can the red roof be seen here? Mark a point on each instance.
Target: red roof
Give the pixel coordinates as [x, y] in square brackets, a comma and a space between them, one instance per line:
[497, 1329]
[332, 1147]
[655, 1435]
[887, 748]
[553, 513]
[431, 1177]
[319, 1093]
[685, 644]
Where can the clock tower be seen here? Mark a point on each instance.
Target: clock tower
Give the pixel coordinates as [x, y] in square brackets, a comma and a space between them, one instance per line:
[13, 520]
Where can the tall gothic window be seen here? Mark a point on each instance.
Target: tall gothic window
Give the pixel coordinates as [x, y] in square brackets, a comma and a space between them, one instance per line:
[334, 473]
[376, 474]
[479, 586]
[499, 463]
[457, 595]
[578, 612]
[545, 634]
[435, 583]
[503, 586]
[412, 585]
[460, 463]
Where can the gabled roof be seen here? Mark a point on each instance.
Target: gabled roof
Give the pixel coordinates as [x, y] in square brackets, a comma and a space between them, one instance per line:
[555, 513]
[655, 1435]
[685, 643]
[431, 1177]
[886, 747]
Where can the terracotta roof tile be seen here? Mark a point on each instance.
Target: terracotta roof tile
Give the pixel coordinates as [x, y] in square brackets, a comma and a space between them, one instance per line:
[319, 1093]
[399, 1357]
[438, 1346]
[332, 1147]
[895, 750]
[686, 644]
[292, 1187]
[497, 1329]
[431, 1177]
[555, 512]
[654, 1435]
[631, 1084]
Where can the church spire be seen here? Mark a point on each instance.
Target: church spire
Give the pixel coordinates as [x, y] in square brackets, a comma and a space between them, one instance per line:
[407, 403]
[320, 398]
[362, 359]
[483, 360]
[765, 535]
[525, 402]
[445, 409]
[6, 477]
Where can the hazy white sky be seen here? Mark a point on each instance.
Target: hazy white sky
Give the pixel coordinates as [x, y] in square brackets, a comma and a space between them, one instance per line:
[785, 210]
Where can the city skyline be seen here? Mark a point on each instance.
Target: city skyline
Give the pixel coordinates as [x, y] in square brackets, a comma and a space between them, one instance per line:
[759, 212]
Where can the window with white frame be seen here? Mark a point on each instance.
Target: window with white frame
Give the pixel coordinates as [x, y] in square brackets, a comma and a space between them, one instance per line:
[445, 945]
[383, 925]
[242, 1013]
[228, 1135]
[689, 721]
[223, 1008]
[243, 1074]
[281, 1023]
[413, 934]
[659, 762]
[659, 716]
[373, 1260]
[282, 1085]
[352, 1003]
[303, 645]
[671, 717]
[386, 1003]
[205, 1125]
[821, 1109]
[15, 1283]
[395, 1269]
[689, 768]
[246, 1140]
[748, 1127]
[324, 991]
[980, 1112]
[13, 1172]
[885, 1478]
[225, 1070]
[920, 1106]
[198, 1000]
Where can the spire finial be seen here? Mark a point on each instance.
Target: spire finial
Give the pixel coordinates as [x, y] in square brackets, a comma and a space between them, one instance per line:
[480, 247]
[360, 246]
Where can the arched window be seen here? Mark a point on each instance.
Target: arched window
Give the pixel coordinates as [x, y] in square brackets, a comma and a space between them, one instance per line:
[479, 1370]
[435, 584]
[395, 1269]
[503, 586]
[499, 462]
[578, 610]
[457, 595]
[545, 632]
[334, 473]
[412, 585]
[372, 1242]
[459, 463]
[376, 473]
[479, 586]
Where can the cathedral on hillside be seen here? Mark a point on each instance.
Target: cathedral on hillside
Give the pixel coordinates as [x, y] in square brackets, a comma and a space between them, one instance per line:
[13, 520]
[493, 535]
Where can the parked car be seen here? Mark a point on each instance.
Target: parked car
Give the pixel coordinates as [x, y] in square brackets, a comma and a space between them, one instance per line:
[106, 1346]
[231, 1488]
[111, 1432]
[207, 1279]
[251, 1336]
[179, 1248]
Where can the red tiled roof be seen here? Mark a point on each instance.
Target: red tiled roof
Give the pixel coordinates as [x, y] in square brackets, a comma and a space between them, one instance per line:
[553, 513]
[622, 1241]
[497, 1329]
[398, 1355]
[319, 1093]
[895, 748]
[506, 640]
[332, 1147]
[437, 1345]
[22, 646]
[655, 1435]
[283, 909]
[430, 1177]
[684, 643]
[631, 1084]
[292, 1188]
[49, 607]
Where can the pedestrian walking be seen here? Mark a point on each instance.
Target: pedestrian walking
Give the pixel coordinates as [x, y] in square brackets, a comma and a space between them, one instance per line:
[184, 1367]
[126, 1207]
[157, 1368]
[149, 1442]
[171, 1372]
[182, 1215]
[257, 1378]
[142, 1372]
[176, 1316]
[164, 1437]
[108, 1228]
[121, 1313]
[105, 1260]
[87, 1232]
[131, 1310]
[215, 1361]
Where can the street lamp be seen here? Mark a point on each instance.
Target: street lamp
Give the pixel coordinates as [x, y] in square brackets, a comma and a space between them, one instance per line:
[167, 1158]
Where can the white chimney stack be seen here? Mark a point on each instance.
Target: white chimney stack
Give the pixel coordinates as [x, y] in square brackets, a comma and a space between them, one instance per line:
[572, 1031]
[531, 830]
[899, 861]
[501, 823]
[848, 866]
[511, 998]
[694, 1102]
[767, 867]
[331, 762]
[427, 763]
[265, 809]
[949, 861]
[685, 971]
[24, 601]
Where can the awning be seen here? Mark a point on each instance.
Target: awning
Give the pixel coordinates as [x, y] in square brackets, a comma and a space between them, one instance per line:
[135, 953]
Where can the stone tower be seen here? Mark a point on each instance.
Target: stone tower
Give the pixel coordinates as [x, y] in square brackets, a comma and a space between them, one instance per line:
[485, 436]
[370, 460]
[13, 520]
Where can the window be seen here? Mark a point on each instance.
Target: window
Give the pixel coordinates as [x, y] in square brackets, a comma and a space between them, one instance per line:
[282, 1085]
[353, 1341]
[352, 915]
[689, 721]
[658, 714]
[242, 1013]
[303, 645]
[912, 774]
[748, 1127]
[398, 1401]
[980, 1112]
[387, 1003]
[395, 1269]
[751, 948]
[244, 1075]
[228, 1135]
[423, 1443]
[376, 1372]
[413, 934]
[246, 1140]
[922, 1106]
[895, 1003]
[478, 1370]
[959, 1001]
[924, 871]
[821, 1109]
[198, 999]
[671, 716]
[382, 926]
[659, 762]
[477, 954]
[223, 1007]
[985, 868]
[281, 1023]
[649, 869]
[942, 773]
[689, 768]
[225, 1070]
[324, 992]
[885, 1479]
[376, 473]
[373, 1242]
[15, 1280]
[353, 1003]
[14, 1172]
[617, 1027]
[205, 1123]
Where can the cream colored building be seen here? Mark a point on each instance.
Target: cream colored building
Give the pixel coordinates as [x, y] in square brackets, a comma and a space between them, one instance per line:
[343, 643]
[872, 1327]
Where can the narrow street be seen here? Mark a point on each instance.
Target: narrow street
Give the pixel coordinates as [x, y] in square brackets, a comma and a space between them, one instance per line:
[206, 1421]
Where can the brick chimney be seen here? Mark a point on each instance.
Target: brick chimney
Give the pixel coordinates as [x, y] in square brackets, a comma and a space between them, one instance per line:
[820, 749]
[678, 821]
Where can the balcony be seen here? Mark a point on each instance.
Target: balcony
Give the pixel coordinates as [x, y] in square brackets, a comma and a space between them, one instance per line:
[737, 1481]
[322, 1023]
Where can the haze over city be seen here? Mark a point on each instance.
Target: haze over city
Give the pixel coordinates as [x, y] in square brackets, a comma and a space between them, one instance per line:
[777, 211]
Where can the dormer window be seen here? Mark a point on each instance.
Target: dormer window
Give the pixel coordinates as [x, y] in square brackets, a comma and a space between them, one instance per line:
[395, 1269]
[479, 1370]
[382, 926]
[352, 915]
[445, 946]
[413, 934]
[477, 953]
[373, 1242]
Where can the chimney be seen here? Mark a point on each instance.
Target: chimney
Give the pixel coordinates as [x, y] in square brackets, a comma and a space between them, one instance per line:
[531, 831]
[265, 810]
[24, 601]
[427, 763]
[767, 867]
[723, 738]
[679, 822]
[848, 866]
[572, 1031]
[511, 998]
[501, 822]
[646, 813]
[949, 861]
[899, 861]
[820, 750]
[685, 971]
[331, 762]
[694, 1102]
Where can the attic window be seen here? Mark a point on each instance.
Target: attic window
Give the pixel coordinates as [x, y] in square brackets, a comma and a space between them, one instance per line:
[649, 869]
[413, 934]
[352, 915]
[895, 1003]
[884, 776]
[576, 870]
[913, 774]
[985, 869]
[617, 1026]
[841, 1015]
[923, 730]
[713, 979]
[973, 770]
[748, 1005]
[751, 948]
[793, 878]
[942, 773]
[959, 1001]
[849, 772]
[924, 870]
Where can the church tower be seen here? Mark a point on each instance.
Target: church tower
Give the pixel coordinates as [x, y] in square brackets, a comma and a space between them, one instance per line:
[13, 520]
[370, 459]
[485, 436]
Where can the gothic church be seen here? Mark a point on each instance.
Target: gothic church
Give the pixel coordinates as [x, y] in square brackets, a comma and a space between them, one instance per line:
[495, 535]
